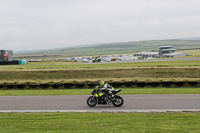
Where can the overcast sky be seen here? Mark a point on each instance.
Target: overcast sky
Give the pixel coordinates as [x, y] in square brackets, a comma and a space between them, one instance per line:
[45, 24]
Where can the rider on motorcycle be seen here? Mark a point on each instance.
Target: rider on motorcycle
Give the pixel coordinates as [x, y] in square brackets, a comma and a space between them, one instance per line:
[105, 86]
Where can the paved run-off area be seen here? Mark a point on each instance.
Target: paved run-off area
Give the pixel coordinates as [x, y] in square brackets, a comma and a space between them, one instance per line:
[77, 103]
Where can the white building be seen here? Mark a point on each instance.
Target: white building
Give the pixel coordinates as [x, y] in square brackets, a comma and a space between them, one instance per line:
[164, 52]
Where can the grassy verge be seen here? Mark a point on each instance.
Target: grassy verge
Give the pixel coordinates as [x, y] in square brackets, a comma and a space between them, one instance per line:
[88, 91]
[86, 73]
[64, 65]
[100, 122]
[194, 52]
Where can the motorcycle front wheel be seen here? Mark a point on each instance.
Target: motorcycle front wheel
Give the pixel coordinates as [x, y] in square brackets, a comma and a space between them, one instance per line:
[92, 101]
[119, 101]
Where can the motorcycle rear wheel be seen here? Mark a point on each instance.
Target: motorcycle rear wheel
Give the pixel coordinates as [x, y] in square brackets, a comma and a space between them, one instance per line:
[92, 101]
[118, 102]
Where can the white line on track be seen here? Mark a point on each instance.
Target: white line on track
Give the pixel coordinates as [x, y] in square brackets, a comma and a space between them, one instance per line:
[100, 111]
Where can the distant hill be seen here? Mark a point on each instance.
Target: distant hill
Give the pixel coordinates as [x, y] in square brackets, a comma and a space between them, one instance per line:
[193, 38]
[124, 47]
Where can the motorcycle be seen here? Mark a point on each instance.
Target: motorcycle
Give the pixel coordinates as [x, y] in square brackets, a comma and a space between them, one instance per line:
[105, 98]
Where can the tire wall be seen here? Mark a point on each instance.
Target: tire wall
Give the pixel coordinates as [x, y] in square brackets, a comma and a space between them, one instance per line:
[92, 85]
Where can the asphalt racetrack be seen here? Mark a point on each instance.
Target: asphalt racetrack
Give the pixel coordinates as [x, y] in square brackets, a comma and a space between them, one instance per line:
[77, 103]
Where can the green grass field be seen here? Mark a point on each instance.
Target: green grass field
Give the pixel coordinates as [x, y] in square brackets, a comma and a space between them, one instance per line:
[89, 73]
[88, 91]
[62, 72]
[78, 65]
[194, 52]
[100, 122]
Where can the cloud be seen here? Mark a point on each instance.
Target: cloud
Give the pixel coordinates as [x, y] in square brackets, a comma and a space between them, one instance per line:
[42, 24]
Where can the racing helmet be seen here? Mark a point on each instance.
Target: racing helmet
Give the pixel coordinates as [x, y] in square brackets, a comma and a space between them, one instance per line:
[101, 84]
